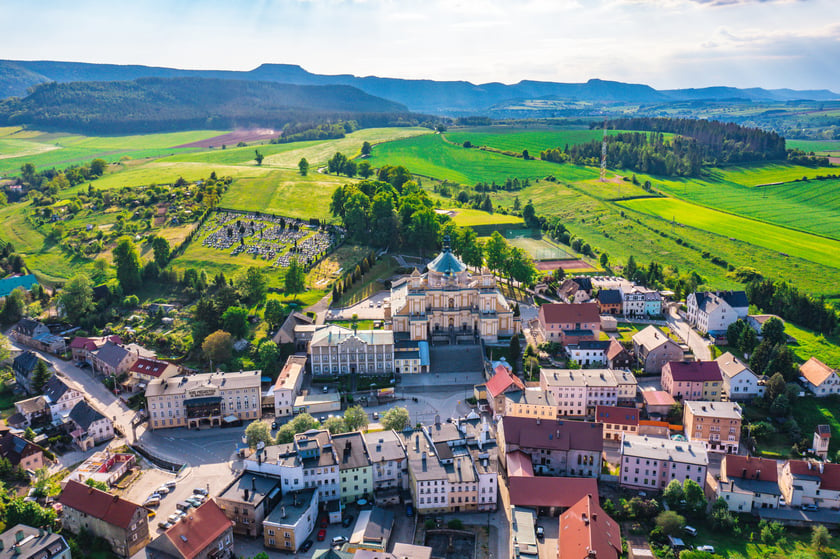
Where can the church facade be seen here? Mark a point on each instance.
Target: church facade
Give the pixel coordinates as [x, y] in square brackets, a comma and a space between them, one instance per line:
[448, 304]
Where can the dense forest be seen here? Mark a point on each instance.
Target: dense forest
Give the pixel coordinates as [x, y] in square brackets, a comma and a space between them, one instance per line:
[167, 104]
[694, 143]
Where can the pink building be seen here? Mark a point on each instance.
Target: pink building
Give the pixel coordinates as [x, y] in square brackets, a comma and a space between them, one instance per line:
[694, 380]
[652, 463]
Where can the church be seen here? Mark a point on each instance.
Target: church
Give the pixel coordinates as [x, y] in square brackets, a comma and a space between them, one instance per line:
[447, 304]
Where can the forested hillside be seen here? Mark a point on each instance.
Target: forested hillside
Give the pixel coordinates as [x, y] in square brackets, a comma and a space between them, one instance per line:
[166, 104]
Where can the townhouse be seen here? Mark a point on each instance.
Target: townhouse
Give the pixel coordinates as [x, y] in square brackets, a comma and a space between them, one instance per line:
[653, 349]
[247, 500]
[713, 311]
[82, 349]
[739, 382]
[354, 467]
[570, 323]
[589, 353]
[693, 380]
[652, 463]
[716, 424]
[609, 301]
[390, 466]
[638, 302]
[499, 385]
[531, 402]
[287, 386]
[556, 447]
[747, 483]
[808, 482]
[578, 391]
[819, 378]
[428, 479]
[291, 521]
[617, 421]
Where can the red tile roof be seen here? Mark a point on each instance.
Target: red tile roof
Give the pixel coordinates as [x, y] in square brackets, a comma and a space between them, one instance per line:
[815, 371]
[91, 344]
[544, 491]
[502, 381]
[112, 509]
[199, 529]
[149, 367]
[554, 313]
[824, 431]
[615, 349]
[829, 474]
[519, 464]
[529, 432]
[617, 415]
[751, 467]
[657, 398]
[694, 371]
[586, 529]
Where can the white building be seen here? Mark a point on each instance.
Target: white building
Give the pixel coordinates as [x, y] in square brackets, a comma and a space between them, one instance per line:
[747, 483]
[652, 463]
[578, 391]
[338, 350]
[819, 378]
[639, 301]
[714, 311]
[808, 482]
[287, 386]
[739, 382]
[390, 465]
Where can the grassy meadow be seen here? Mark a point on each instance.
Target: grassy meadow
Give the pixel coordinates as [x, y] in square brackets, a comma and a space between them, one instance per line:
[465, 217]
[818, 146]
[516, 138]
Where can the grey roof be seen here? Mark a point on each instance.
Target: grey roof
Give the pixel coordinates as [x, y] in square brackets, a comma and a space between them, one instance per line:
[734, 299]
[330, 335]
[610, 296]
[291, 507]
[599, 345]
[651, 337]
[384, 445]
[720, 410]
[258, 487]
[32, 405]
[751, 486]
[83, 415]
[55, 388]
[26, 542]
[350, 451]
[112, 354]
[379, 525]
[422, 460]
[532, 397]
[731, 366]
[27, 326]
[447, 263]
[665, 449]
[25, 362]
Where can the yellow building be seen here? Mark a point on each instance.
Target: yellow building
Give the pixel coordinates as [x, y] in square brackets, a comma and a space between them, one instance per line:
[291, 521]
[449, 304]
[203, 400]
[531, 402]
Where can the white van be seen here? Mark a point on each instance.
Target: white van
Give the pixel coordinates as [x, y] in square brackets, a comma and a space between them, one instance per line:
[690, 530]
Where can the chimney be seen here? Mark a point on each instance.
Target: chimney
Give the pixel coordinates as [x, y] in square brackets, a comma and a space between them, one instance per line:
[591, 554]
[821, 467]
[585, 519]
[282, 512]
[538, 421]
[594, 516]
[253, 484]
[246, 494]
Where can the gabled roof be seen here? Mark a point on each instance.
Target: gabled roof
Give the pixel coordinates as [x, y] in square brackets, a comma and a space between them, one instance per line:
[554, 313]
[32, 405]
[617, 415]
[150, 367]
[615, 349]
[27, 326]
[332, 335]
[503, 381]
[595, 345]
[25, 362]
[519, 464]
[657, 398]
[112, 354]
[610, 297]
[91, 344]
[83, 415]
[815, 371]
[694, 371]
[529, 432]
[587, 531]
[350, 451]
[545, 491]
[731, 366]
[8, 285]
[585, 283]
[827, 474]
[651, 337]
[750, 467]
[109, 508]
[197, 530]
[55, 388]
[824, 431]
[734, 299]
[13, 447]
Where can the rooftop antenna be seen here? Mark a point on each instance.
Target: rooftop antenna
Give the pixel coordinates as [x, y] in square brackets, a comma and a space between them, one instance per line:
[604, 155]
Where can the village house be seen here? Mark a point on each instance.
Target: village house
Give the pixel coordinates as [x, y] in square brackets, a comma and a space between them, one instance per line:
[658, 402]
[144, 371]
[617, 421]
[609, 301]
[291, 521]
[287, 333]
[589, 353]
[618, 357]
[808, 482]
[23, 367]
[570, 324]
[30, 411]
[247, 500]
[61, 396]
[819, 378]
[21, 453]
[739, 382]
[756, 321]
[693, 380]
[205, 533]
[88, 427]
[287, 386]
[82, 349]
[123, 524]
[557, 448]
[37, 335]
[654, 349]
[115, 360]
[717, 424]
[587, 532]
[747, 483]
[25, 542]
[501, 383]
[570, 291]
[649, 463]
[713, 312]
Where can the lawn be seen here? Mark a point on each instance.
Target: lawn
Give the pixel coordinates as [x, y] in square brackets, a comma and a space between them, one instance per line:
[810, 412]
[431, 156]
[284, 192]
[464, 217]
[747, 545]
[794, 243]
[810, 344]
[238, 156]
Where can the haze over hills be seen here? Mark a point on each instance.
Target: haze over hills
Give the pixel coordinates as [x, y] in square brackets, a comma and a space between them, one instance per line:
[440, 97]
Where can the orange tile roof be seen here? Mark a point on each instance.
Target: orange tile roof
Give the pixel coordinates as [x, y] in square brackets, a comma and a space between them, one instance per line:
[587, 531]
[751, 467]
[199, 529]
[815, 371]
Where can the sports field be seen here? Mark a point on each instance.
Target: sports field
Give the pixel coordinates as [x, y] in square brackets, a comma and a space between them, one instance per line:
[539, 249]
[787, 241]
[431, 156]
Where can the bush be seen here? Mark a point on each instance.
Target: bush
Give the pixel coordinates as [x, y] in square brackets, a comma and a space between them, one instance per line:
[455, 524]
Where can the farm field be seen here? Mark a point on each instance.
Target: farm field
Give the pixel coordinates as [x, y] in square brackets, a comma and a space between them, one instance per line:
[766, 173]
[237, 156]
[818, 146]
[795, 243]
[515, 138]
[811, 206]
[810, 344]
[431, 156]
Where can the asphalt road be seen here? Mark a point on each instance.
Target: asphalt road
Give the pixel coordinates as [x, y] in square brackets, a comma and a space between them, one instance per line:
[699, 346]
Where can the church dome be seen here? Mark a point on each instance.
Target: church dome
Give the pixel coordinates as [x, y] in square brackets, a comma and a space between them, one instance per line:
[446, 262]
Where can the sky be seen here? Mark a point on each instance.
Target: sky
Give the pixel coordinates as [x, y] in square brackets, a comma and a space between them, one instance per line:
[663, 43]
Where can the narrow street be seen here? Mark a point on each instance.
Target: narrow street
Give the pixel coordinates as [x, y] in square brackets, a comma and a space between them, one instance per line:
[698, 345]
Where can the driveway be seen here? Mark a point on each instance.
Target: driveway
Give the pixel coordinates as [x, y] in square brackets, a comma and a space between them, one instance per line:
[698, 345]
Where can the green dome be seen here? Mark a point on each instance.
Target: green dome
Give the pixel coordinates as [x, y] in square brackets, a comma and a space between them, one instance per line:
[447, 263]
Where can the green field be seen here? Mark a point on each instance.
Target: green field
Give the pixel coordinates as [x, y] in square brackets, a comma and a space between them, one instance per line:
[514, 138]
[809, 344]
[767, 173]
[464, 217]
[431, 156]
[795, 243]
[818, 146]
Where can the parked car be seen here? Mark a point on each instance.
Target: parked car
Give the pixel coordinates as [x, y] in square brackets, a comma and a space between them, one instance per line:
[707, 548]
[170, 484]
[155, 495]
[274, 425]
[151, 503]
[376, 416]
[326, 389]
[173, 518]
[810, 507]
[322, 534]
[200, 491]
[324, 522]
[409, 510]
[164, 525]
[183, 505]
[347, 520]
[162, 490]
[194, 502]
[690, 530]
[306, 545]
[782, 501]
[338, 540]
[540, 532]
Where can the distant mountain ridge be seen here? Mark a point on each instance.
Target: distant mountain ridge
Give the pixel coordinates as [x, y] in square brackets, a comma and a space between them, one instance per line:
[442, 97]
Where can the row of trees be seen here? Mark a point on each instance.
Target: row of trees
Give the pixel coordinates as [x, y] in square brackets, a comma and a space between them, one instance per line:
[782, 299]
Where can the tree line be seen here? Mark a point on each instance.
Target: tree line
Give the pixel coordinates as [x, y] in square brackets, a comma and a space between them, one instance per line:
[786, 301]
[301, 132]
